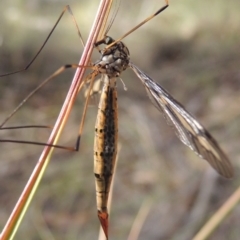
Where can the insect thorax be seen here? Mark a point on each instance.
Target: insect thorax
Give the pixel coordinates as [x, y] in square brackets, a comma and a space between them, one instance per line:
[114, 60]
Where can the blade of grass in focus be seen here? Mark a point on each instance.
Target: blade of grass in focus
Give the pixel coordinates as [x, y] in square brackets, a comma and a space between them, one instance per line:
[21, 207]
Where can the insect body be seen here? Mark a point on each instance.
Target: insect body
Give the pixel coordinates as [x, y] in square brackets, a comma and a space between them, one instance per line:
[114, 60]
[105, 147]
[187, 128]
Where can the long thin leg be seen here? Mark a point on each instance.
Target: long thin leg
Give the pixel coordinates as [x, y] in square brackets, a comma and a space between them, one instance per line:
[66, 8]
[32, 142]
[93, 75]
[25, 126]
[24, 200]
[60, 70]
[38, 143]
[140, 24]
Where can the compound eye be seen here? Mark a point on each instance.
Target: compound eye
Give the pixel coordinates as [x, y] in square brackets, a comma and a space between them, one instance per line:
[108, 40]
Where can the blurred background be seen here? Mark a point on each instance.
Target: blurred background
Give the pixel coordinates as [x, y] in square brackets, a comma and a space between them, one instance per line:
[191, 49]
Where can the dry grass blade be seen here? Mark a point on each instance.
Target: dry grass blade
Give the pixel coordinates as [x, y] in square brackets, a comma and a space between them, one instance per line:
[34, 180]
[139, 220]
[219, 216]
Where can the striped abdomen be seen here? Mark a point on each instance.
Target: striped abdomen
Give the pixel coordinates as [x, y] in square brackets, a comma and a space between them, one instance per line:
[105, 142]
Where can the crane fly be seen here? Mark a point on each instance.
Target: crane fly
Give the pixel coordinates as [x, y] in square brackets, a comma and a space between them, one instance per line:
[187, 128]
[115, 58]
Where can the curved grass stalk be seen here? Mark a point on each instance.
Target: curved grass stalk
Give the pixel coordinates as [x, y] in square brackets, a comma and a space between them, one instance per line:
[22, 205]
[219, 216]
[140, 219]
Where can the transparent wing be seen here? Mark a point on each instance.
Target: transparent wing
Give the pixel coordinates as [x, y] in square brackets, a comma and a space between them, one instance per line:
[189, 131]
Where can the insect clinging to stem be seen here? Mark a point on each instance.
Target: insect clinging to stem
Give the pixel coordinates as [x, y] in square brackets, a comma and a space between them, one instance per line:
[115, 58]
